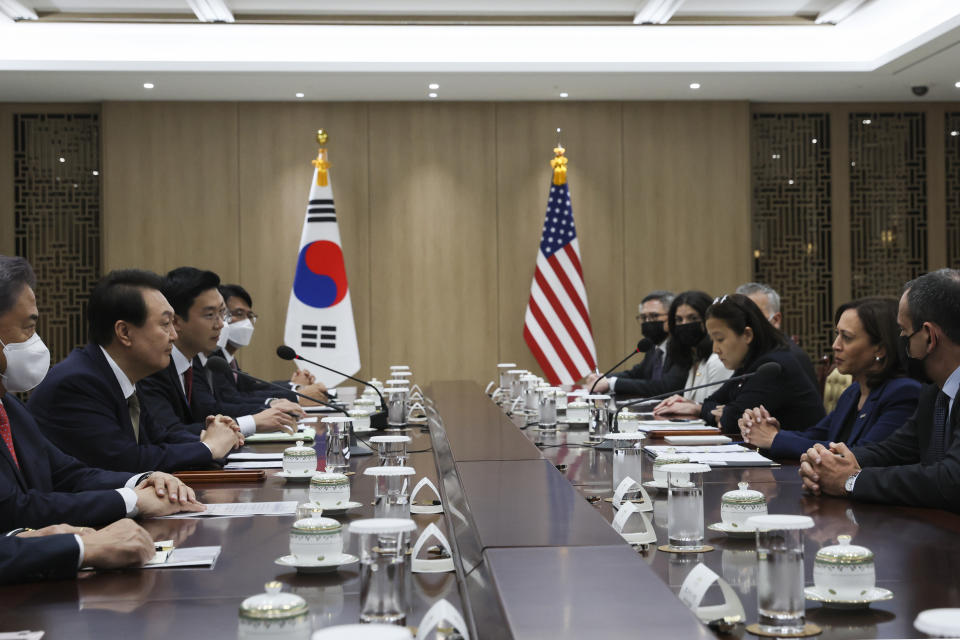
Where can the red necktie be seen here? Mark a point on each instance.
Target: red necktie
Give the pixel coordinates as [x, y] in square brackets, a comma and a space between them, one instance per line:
[236, 370]
[188, 383]
[7, 435]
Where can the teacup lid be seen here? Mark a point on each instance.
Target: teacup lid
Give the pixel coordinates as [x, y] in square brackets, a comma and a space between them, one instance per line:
[779, 521]
[743, 495]
[399, 367]
[366, 400]
[274, 604]
[507, 365]
[389, 471]
[383, 525]
[316, 523]
[844, 553]
[329, 478]
[577, 404]
[596, 396]
[358, 413]
[529, 377]
[363, 632]
[686, 467]
[390, 439]
[668, 457]
[626, 414]
[939, 623]
[374, 381]
[298, 449]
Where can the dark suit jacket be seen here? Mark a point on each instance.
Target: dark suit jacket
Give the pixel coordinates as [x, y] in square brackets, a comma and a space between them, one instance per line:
[229, 401]
[34, 559]
[886, 409]
[80, 408]
[639, 380]
[163, 397]
[51, 487]
[790, 396]
[806, 365]
[901, 469]
[253, 388]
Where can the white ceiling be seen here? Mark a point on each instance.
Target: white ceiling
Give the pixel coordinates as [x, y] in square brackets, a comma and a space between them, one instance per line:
[878, 53]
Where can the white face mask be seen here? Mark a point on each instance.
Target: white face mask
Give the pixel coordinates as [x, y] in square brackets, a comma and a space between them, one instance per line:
[241, 333]
[224, 336]
[27, 364]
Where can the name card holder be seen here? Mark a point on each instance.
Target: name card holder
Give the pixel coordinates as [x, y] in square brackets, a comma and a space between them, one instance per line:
[425, 508]
[438, 565]
[628, 484]
[698, 582]
[645, 537]
[442, 613]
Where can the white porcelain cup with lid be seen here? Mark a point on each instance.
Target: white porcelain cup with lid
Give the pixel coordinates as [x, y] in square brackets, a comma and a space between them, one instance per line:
[363, 632]
[662, 460]
[299, 460]
[741, 503]
[274, 615]
[939, 623]
[844, 571]
[315, 539]
[329, 490]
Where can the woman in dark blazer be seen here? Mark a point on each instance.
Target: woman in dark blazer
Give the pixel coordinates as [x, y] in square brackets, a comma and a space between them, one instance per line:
[877, 403]
[744, 340]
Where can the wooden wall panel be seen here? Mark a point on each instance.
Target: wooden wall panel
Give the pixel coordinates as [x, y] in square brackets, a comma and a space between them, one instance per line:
[526, 136]
[170, 186]
[276, 145]
[687, 197]
[433, 242]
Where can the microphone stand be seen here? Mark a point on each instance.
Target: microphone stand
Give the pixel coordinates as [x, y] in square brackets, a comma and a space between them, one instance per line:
[612, 369]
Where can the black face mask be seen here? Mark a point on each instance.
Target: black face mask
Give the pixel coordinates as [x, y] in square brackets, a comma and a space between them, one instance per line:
[915, 368]
[689, 334]
[654, 331]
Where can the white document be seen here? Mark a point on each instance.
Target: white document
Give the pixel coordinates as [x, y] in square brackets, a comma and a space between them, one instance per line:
[241, 509]
[188, 557]
[725, 455]
[237, 457]
[254, 464]
[21, 635]
[657, 449]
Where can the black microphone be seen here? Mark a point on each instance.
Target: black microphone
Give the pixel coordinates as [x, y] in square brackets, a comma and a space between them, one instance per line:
[766, 370]
[642, 347]
[378, 420]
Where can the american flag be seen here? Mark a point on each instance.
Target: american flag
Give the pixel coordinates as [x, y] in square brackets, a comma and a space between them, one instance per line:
[557, 323]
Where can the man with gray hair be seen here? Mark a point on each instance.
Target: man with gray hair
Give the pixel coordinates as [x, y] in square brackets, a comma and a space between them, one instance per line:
[767, 298]
[655, 374]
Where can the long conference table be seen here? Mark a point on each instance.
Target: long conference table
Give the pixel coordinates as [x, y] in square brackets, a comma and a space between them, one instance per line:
[534, 558]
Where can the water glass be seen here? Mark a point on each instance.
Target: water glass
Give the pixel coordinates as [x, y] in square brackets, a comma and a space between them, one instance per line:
[392, 450]
[392, 491]
[598, 419]
[685, 504]
[516, 383]
[384, 568]
[627, 457]
[548, 408]
[397, 406]
[505, 375]
[338, 443]
[780, 599]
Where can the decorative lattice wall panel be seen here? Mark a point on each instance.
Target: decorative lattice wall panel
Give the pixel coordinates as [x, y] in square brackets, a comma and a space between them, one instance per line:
[792, 220]
[57, 218]
[952, 160]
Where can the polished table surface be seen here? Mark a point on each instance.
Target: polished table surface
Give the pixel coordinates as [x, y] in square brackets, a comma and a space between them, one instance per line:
[534, 558]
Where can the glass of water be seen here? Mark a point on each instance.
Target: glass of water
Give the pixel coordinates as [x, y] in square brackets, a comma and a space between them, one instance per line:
[397, 406]
[548, 408]
[391, 496]
[392, 450]
[338, 443]
[780, 601]
[506, 373]
[384, 568]
[627, 458]
[598, 424]
[685, 504]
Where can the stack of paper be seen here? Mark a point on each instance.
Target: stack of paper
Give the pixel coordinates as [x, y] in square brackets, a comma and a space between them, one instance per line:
[241, 510]
[254, 461]
[726, 455]
[307, 435]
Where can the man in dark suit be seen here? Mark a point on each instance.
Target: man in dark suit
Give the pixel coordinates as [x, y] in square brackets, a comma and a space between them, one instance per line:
[89, 405]
[57, 552]
[39, 484]
[767, 298]
[179, 396]
[919, 464]
[655, 374]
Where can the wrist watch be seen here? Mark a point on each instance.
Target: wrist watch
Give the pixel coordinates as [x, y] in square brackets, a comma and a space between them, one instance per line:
[851, 481]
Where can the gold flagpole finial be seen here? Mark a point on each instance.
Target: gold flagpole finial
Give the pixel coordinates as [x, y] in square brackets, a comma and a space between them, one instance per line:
[559, 163]
[321, 162]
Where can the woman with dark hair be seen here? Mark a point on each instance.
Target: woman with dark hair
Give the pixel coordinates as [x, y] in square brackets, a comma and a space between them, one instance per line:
[744, 340]
[690, 347]
[878, 402]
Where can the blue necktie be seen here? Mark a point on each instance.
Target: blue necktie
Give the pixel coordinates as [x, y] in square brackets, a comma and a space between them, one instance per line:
[938, 439]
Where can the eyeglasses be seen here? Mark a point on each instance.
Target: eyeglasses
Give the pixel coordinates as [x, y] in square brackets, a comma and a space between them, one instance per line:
[239, 315]
[212, 316]
[651, 317]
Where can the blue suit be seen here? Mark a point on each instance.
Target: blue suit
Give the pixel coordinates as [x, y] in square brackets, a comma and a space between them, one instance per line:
[33, 559]
[51, 487]
[164, 399]
[885, 410]
[80, 408]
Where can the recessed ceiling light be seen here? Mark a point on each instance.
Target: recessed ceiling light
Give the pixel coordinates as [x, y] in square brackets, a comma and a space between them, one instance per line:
[299, 94]
[955, 133]
[694, 85]
[957, 85]
[564, 94]
[789, 181]
[775, 156]
[814, 141]
[433, 85]
[95, 172]
[148, 85]
[432, 94]
[62, 159]
[867, 121]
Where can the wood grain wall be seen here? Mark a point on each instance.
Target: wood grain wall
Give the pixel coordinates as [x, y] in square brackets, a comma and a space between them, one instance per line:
[440, 208]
